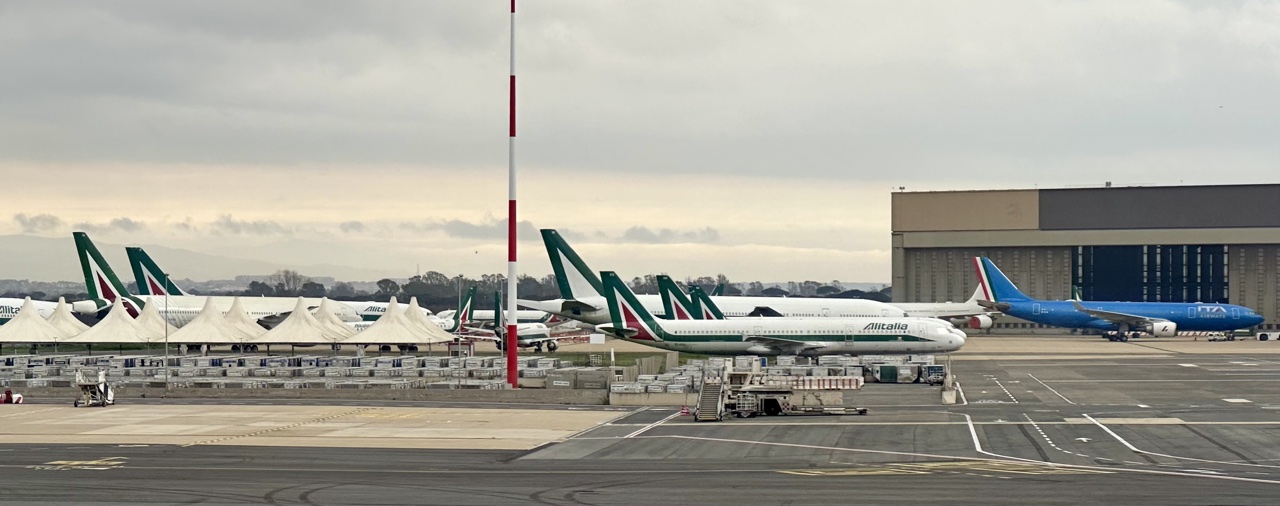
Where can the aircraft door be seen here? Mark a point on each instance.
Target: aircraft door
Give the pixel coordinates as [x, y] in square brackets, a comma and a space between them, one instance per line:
[849, 332]
[1235, 313]
[1035, 309]
[826, 312]
[1191, 312]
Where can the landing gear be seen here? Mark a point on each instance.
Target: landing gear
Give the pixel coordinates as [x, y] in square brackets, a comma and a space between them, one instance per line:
[1135, 335]
[1116, 337]
[537, 347]
[1231, 336]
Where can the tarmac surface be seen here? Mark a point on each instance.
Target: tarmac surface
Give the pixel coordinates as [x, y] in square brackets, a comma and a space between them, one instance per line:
[1184, 422]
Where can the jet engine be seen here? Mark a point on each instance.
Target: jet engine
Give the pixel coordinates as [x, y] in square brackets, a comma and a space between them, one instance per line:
[1161, 329]
[980, 322]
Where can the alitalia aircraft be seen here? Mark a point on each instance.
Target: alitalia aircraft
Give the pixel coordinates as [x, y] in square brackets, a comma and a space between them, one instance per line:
[9, 308]
[583, 298]
[774, 336]
[152, 280]
[528, 334]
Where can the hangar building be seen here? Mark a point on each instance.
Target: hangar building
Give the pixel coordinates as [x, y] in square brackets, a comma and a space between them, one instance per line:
[1163, 243]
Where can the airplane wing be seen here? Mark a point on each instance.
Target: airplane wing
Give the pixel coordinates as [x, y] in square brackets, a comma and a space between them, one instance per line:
[785, 345]
[617, 331]
[1111, 316]
[764, 311]
[994, 306]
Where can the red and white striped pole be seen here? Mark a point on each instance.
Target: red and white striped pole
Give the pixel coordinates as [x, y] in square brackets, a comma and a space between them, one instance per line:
[513, 320]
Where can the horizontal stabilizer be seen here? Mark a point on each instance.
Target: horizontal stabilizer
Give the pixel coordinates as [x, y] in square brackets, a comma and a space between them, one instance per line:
[764, 311]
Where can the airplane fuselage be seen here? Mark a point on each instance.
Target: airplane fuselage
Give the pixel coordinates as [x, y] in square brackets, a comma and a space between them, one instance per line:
[1187, 316]
[732, 307]
[814, 336]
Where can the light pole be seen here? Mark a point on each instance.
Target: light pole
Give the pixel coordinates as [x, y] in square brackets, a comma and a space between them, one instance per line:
[166, 331]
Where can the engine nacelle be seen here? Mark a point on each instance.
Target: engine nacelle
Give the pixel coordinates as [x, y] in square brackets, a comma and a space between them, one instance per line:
[980, 322]
[91, 306]
[1162, 329]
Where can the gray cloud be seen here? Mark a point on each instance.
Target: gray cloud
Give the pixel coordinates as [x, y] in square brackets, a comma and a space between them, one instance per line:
[352, 227]
[646, 235]
[228, 225]
[115, 225]
[758, 89]
[34, 224]
[488, 228]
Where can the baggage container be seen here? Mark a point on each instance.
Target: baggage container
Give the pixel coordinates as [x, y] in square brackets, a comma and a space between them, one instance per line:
[656, 388]
[593, 379]
[562, 378]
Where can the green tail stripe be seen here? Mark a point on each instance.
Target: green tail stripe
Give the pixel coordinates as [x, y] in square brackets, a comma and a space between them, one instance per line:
[556, 247]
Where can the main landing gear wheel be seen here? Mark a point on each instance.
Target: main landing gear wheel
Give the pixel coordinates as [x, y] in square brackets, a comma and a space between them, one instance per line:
[537, 347]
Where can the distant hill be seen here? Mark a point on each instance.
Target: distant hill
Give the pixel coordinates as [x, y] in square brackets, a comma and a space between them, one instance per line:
[49, 259]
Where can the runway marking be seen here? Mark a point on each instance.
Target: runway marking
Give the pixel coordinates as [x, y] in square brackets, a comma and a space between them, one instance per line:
[977, 445]
[101, 464]
[275, 429]
[1238, 401]
[650, 426]
[1193, 459]
[969, 467]
[1036, 426]
[1006, 390]
[24, 413]
[1069, 401]
[1188, 365]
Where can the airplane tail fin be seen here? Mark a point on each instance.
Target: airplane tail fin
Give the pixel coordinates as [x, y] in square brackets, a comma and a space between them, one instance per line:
[978, 295]
[675, 304]
[462, 316]
[718, 290]
[628, 315]
[151, 280]
[573, 276]
[704, 305]
[995, 285]
[499, 319]
[100, 281]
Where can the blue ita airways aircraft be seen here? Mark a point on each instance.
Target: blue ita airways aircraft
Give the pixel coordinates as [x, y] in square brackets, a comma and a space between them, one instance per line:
[1117, 320]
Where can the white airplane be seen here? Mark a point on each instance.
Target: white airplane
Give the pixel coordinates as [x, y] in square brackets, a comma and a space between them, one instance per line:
[9, 308]
[631, 321]
[534, 335]
[583, 298]
[968, 313]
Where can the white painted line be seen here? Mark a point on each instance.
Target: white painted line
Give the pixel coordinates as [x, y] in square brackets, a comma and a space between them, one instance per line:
[1069, 401]
[1188, 365]
[1136, 450]
[960, 391]
[1143, 406]
[650, 426]
[1238, 401]
[1006, 390]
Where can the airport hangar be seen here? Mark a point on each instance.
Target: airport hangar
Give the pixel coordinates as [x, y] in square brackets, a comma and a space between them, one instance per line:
[1145, 243]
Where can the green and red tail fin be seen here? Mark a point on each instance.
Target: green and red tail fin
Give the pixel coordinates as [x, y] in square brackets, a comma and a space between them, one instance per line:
[675, 304]
[573, 277]
[626, 311]
[718, 290]
[704, 305]
[462, 317]
[151, 280]
[499, 319]
[100, 281]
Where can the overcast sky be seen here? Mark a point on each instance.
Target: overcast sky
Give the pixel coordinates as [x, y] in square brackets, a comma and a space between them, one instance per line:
[758, 139]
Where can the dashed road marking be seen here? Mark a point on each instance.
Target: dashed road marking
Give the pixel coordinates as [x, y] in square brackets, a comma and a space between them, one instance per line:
[1238, 401]
[275, 429]
[970, 468]
[1036, 426]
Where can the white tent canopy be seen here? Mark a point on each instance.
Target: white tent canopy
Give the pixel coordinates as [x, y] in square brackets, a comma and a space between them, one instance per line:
[326, 316]
[394, 327]
[153, 324]
[240, 320]
[117, 327]
[29, 327]
[425, 325]
[301, 327]
[210, 327]
[64, 321]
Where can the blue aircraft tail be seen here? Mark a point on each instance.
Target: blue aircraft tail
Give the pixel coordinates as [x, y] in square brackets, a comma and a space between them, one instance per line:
[995, 285]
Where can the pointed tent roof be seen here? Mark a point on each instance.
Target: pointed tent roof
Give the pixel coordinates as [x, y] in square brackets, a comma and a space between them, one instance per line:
[326, 316]
[241, 320]
[64, 321]
[29, 327]
[394, 327]
[153, 324]
[425, 325]
[209, 327]
[301, 327]
[116, 327]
